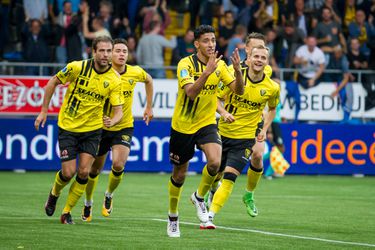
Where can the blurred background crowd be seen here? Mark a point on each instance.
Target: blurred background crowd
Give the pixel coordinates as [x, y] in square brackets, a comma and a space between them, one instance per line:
[311, 35]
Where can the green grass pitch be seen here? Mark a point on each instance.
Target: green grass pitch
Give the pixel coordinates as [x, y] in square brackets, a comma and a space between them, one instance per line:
[295, 212]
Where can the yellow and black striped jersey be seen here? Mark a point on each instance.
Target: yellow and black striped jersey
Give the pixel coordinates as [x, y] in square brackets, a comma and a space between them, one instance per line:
[247, 109]
[191, 115]
[129, 78]
[82, 108]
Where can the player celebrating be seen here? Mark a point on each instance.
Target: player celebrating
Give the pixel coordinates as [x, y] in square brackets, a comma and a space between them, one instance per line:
[238, 126]
[119, 136]
[81, 119]
[254, 39]
[193, 121]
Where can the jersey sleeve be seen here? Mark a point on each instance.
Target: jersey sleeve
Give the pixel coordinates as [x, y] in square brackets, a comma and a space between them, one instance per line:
[141, 74]
[274, 99]
[69, 72]
[184, 73]
[226, 76]
[116, 98]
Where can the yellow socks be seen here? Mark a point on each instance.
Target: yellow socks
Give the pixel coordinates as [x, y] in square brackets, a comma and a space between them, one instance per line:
[90, 188]
[114, 180]
[174, 190]
[206, 182]
[59, 184]
[253, 177]
[221, 196]
[75, 192]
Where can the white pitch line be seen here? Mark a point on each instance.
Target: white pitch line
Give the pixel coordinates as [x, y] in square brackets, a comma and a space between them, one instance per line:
[280, 234]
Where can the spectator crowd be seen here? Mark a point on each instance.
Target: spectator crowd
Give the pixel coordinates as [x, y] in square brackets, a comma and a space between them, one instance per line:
[310, 35]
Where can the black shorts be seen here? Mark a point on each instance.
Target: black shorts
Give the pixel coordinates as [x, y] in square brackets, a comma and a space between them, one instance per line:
[236, 153]
[72, 143]
[110, 138]
[182, 146]
[276, 133]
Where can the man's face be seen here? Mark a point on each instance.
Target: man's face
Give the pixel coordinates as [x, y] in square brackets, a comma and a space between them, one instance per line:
[229, 19]
[103, 53]
[251, 44]
[119, 54]
[311, 43]
[259, 59]
[326, 15]
[206, 44]
[189, 36]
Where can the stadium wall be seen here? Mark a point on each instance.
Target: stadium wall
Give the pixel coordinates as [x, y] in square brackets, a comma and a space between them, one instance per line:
[310, 148]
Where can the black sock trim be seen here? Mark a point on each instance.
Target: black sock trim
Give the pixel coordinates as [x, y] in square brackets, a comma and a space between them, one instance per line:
[173, 218]
[93, 176]
[63, 178]
[176, 184]
[115, 173]
[81, 181]
[256, 169]
[230, 176]
[199, 199]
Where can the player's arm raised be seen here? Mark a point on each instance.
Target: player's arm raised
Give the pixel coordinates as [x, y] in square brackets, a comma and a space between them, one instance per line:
[193, 90]
[148, 114]
[49, 90]
[238, 85]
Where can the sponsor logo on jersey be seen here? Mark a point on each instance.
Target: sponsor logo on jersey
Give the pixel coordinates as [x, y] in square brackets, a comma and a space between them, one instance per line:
[106, 84]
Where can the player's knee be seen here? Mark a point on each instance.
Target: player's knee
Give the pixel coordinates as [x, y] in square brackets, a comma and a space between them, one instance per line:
[213, 166]
[118, 165]
[257, 156]
[230, 176]
[83, 173]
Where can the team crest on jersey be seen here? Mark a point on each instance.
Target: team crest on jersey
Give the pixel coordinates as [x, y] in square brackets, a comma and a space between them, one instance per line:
[217, 72]
[125, 138]
[247, 153]
[262, 92]
[106, 84]
[131, 81]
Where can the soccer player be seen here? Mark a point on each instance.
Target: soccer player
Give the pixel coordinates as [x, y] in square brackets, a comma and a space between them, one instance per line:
[239, 127]
[118, 137]
[254, 39]
[194, 121]
[81, 120]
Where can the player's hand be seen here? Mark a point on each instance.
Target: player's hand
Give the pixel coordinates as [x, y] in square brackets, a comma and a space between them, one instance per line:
[148, 115]
[236, 60]
[212, 62]
[334, 93]
[40, 120]
[107, 121]
[228, 118]
[261, 136]
[311, 83]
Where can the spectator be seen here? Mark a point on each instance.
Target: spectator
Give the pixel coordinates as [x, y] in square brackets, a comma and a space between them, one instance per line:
[121, 28]
[105, 12]
[270, 14]
[132, 50]
[332, 6]
[364, 31]
[300, 18]
[357, 60]
[246, 14]
[150, 50]
[310, 60]
[97, 26]
[270, 43]
[349, 13]
[289, 39]
[35, 47]
[35, 9]
[74, 39]
[185, 47]
[158, 13]
[328, 33]
[55, 7]
[64, 20]
[237, 41]
[226, 31]
[339, 61]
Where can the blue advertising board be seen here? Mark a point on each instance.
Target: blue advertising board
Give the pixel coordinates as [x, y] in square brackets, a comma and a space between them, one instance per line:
[311, 149]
